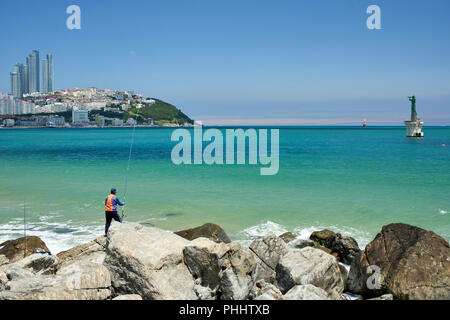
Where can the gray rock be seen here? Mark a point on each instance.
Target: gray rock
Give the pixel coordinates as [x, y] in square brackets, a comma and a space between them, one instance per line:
[204, 293]
[95, 249]
[264, 271]
[228, 269]
[310, 266]
[265, 291]
[306, 292]
[149, 262]
[128, 297]
[85, 274]
[39, 263]
[85, 284]
[268, 249]
[13, 271]
[49, 288]
[33, 278]
[269, 295]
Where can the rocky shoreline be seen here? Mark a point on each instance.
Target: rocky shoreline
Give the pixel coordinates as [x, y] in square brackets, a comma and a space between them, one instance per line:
[135, 262]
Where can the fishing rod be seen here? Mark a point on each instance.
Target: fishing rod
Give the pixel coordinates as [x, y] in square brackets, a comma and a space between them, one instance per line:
[128, 168]
[24, 227]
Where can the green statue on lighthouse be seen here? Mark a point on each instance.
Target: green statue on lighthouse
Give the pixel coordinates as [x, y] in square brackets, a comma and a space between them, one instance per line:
[414, 126]
[413, 108]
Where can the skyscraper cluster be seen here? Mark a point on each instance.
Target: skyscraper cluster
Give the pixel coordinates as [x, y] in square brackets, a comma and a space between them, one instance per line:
[26, 78]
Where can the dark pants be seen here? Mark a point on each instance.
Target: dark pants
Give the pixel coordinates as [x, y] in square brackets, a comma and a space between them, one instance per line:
[109, 216]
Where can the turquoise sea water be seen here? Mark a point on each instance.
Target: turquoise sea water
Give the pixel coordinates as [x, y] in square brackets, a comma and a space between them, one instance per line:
[349, 179]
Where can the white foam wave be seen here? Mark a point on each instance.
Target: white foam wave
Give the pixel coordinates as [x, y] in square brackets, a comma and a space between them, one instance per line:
[303, 233]
[58, 236]
[264, 228]
[441, 211]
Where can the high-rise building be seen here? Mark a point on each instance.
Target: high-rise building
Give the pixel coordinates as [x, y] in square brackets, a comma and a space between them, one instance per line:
[17, 80]
[29, 75]
[26, 80]
[28, 67]
[45, 76]
[33, 71]
[16, 88]
[19, 68]
[51, 79]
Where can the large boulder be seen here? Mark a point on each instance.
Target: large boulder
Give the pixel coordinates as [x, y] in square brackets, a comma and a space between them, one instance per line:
[85, 274]
[321, 236]
[345, 248]
[413, 263]
[310, 266]
[229, 270]
[46, 287]
[202, 257]
[80, 281]
[306, 292]
[268, 249]
[148, 262]
[42, 277]
[17, 249]
[208, 230]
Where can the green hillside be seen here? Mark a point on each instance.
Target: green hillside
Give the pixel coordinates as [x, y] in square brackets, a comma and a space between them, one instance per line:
[161, 112]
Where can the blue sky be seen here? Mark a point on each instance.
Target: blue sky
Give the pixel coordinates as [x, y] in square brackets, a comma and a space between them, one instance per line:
[247, 61]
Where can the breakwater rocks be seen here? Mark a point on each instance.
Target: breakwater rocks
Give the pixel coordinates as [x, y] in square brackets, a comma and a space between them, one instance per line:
[136, 262]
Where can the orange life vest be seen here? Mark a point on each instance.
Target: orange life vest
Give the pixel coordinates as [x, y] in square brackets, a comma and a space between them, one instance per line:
[109, 204]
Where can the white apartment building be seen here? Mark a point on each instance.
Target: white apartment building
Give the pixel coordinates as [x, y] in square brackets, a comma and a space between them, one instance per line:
[80, 116]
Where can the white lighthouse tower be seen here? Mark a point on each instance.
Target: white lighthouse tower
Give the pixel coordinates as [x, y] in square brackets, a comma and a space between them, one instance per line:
[414, 126]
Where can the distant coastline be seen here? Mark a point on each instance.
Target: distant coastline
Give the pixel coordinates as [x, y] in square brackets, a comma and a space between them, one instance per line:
[225, 126]
[96, 127]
